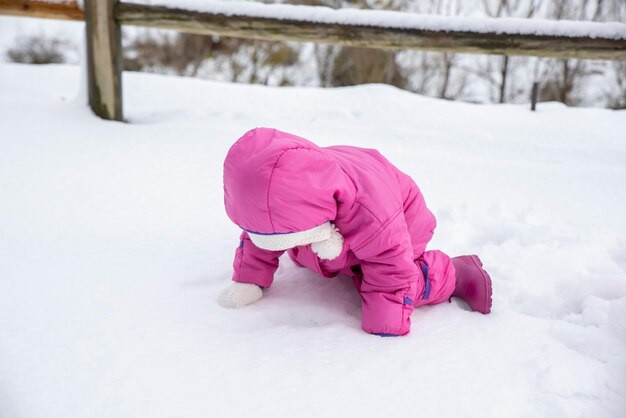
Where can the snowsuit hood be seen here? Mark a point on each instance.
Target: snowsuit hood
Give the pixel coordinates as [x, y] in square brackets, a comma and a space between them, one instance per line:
[276, 183]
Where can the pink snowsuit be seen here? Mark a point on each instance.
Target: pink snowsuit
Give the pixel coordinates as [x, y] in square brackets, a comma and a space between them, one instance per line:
[275, 182]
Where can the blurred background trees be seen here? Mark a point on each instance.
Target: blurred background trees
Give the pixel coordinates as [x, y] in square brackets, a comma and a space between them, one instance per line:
[474, 78]
[38, 50]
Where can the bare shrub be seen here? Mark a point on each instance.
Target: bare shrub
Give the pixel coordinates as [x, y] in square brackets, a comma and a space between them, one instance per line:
[262, 62]
[181, 54]
[353, 66]
[241, 60]
[38, 49]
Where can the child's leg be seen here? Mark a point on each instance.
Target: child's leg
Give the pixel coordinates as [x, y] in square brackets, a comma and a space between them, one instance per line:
[441, 279]
[462, 277]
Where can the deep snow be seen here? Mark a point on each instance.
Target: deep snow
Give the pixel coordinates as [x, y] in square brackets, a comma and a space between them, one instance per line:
[114, 245]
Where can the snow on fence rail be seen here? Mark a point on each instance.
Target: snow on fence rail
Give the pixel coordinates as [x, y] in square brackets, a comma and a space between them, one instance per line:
[364, 28]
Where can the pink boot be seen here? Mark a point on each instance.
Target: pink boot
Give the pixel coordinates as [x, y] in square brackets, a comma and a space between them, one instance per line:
[473, 284]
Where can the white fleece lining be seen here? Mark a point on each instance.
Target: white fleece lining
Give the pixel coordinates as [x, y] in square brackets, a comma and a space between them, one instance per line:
[279, 242]
[330, 248]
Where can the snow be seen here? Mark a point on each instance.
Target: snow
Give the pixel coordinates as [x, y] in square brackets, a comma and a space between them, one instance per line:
[114, 245]
[402, 20]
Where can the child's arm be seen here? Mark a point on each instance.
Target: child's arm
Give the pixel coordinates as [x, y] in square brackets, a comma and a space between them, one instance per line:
[390, 280]
[253, 264]
[254, 269]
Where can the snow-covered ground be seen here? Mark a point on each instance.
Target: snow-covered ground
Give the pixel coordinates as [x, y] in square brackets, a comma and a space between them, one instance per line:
[114, 245]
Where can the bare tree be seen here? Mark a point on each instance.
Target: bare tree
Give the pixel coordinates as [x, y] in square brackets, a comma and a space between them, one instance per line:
[616, 94]
[501, 66]
[424, 72]
[435, 73]
[616, 97]
[563, 78]
[325, 56]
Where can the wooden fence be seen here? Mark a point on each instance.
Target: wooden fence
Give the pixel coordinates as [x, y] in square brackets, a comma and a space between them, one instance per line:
[104, 17]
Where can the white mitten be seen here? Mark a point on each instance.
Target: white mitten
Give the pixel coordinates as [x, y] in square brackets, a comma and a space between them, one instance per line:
[239, 294]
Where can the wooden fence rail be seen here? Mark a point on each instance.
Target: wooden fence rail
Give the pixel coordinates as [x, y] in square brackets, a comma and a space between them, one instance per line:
[43, 9]
[302, 30]
[104, 17]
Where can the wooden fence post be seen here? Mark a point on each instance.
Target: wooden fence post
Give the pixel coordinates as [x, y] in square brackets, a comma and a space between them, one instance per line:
[104, 59]
[534, 95]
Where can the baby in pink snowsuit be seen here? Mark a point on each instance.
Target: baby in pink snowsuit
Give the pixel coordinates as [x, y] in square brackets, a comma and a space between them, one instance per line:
[340, 210]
